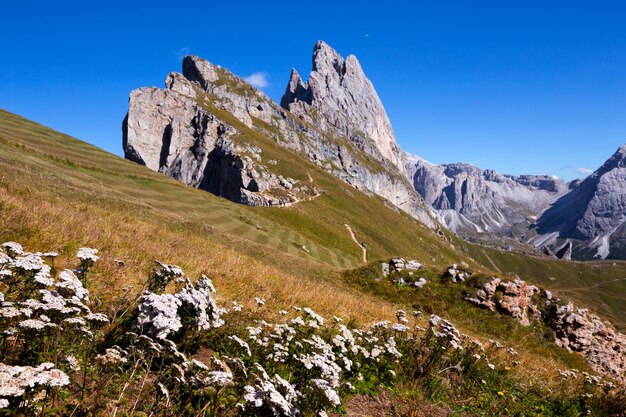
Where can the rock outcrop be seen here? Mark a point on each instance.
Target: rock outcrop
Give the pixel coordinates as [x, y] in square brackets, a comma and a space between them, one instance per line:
[575, 329]
[340, 95]
[167, 131]
[513, 298]
[579, 331]
[401, 264]
[592, 216]
[457, 273]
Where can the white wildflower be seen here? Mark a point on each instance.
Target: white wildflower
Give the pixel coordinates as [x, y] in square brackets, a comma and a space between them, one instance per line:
[72, 362]
[43, 277]
[298, 321]
[112, 356]
[242, 344]
[199, 298]
[13, 248]
[158, 314]
[35, 325]
[15, 380]
[87, 254]
[97, 318]
[399, 327]
[71, 286]
[328, 390]
[313, 315]
[28, 262]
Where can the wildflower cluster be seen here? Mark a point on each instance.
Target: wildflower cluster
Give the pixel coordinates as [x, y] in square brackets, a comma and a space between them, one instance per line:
[43, 315]
[177, 350]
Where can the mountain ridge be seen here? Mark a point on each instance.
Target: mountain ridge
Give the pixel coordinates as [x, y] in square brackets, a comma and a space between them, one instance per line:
[202, 130]
[593, 214]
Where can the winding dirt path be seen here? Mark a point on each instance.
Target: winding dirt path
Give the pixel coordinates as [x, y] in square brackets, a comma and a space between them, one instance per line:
[357, 242]
[491, 260]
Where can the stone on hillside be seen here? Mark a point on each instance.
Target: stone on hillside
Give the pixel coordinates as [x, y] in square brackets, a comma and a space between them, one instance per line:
[401, 264]
[420, 283]
[515, 298]
[454, 273]
[579, 331]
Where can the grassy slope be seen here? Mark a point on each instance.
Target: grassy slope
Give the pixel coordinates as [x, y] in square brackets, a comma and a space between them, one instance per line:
[58, 193]
[90, 197]
[40, 160]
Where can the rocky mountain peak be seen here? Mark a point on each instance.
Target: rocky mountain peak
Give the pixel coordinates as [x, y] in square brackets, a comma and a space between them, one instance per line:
[199, 70]
[339, 92]
[593, 213]
[617, 160]
[296, 90]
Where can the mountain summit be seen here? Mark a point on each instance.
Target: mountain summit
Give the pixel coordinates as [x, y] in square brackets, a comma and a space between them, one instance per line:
[339, 94]
[210, 129]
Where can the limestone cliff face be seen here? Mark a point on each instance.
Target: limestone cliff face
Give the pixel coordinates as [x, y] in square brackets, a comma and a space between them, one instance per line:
[198, 127]
[167, 131]
[592, 216]
[472, 200]
[339, 94]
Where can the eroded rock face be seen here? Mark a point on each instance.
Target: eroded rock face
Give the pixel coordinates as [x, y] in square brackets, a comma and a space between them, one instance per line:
[472, 200]
[513, 298]
[167, 131]
[579, 331]
[592, 215]
[339, 94]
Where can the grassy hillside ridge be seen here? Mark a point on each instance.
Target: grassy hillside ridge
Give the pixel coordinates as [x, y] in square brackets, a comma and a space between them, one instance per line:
[72, 172]
[55, 170]
[79, 195]
[601, 285]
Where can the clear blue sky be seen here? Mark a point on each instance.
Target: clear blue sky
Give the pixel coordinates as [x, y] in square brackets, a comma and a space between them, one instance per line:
[518, 86]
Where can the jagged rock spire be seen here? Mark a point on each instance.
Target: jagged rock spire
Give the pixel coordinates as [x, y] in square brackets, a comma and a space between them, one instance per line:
[339, 91]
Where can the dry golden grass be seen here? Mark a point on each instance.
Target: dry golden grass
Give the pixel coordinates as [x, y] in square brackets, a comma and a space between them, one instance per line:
[57, 225]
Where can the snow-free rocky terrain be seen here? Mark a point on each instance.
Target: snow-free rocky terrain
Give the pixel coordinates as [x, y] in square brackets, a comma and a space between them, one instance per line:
[337, 120]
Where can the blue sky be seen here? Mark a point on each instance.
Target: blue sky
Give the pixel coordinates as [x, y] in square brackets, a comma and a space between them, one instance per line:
[520, 87]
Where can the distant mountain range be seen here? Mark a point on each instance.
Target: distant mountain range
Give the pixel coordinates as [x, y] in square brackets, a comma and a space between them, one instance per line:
[190, 131]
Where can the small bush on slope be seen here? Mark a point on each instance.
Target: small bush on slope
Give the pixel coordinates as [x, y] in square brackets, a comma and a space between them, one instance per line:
[176, 351]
